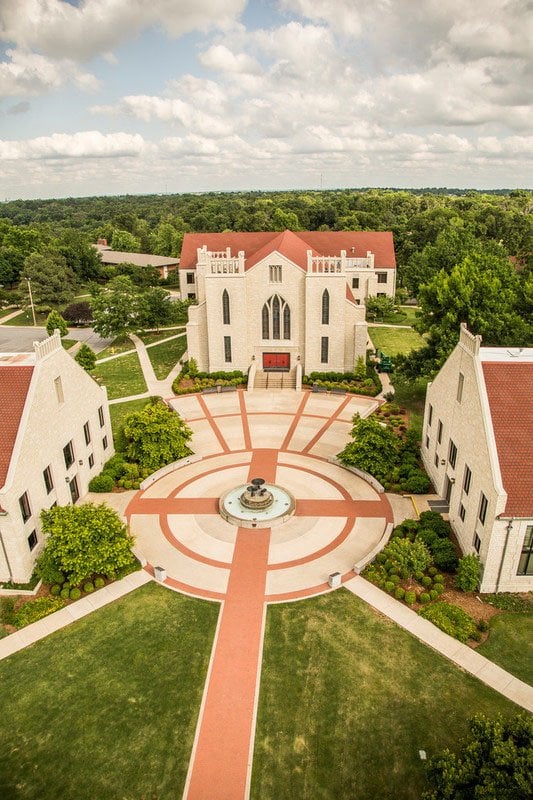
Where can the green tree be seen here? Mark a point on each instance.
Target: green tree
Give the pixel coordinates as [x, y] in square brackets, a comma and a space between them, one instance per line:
[80, 255]
[407, 556]
[374, 448]
[494, 763]
[116, 309]
[83, 541]
[156, 308]
[468, 573]
[78, 312]
[52, 281]
[54, 322]
[86, 357]
[125, 242]
[156, 436]
[379, 307]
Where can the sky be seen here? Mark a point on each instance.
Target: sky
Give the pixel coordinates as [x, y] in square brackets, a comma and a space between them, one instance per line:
[104, 97]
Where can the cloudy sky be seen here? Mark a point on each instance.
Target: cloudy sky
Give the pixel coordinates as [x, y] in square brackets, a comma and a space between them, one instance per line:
[135, 96]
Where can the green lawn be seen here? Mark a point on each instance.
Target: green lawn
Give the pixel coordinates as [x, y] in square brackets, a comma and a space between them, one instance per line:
[412, 396]
[107, 708]
[405, 315]
[166, 355]
[510, 644]
[120, 345]
[156, 336]
[122, 376]
[68, 343]
[395, 340]
[119, 411]
[25, 318]
[348, 699]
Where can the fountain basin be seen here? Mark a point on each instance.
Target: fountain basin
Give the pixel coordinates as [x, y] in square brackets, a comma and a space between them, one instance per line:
[280, 508]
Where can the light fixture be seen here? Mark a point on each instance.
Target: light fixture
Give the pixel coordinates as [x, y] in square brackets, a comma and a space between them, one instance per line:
[80, 462]
[67, 479]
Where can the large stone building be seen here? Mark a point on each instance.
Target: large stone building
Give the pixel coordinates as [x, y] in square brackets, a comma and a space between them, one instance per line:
[282, 299]
[55, 435]
[477, 446]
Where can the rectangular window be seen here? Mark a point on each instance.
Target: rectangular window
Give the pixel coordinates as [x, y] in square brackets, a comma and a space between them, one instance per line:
[104, 442]
[25, 508]
[430, 414]
[48, 482]
[483, 503]
[439, 432]
[68, 455]
[462, 512]
[32, 540]
[436, 459]
[91, 461]
[452, 454]
[275, 273]
[191, 296]
[381, 294]
[382, 277]
[466, 480]
[101, 416]
[525, 565]
[427, 442]
[87, 433]
[460, 385]
[324, 349]
[227, 348]
[59, 390]
[190, 277]
[477, 543]
[355, 283]
[74, 490]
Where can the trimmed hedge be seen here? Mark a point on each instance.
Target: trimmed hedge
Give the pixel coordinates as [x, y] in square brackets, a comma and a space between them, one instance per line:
[102, 483]
[37, 609]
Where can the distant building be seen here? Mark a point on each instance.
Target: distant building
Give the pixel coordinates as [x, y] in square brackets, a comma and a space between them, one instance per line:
[113, 257]
[55, 435]
[477, 446]
[278, 299]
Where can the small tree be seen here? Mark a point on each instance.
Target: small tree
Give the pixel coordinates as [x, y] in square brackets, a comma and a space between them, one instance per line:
[374, 449]
[84, 540]
[86, 357]
[409, 557]
[55, 321]
[156, 436]
[468, 573]
[379, 307]
[78, 312]
[116, 310]
[493, 764]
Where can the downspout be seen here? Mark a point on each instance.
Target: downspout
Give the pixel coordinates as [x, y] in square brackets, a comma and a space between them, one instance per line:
[508, 528]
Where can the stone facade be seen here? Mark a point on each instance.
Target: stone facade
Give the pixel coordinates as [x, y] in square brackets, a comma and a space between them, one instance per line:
[465, 450]
[62, 405]
[279, 303]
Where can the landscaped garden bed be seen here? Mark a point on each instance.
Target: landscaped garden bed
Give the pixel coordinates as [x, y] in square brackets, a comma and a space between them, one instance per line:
[191, 381]
[364, 380]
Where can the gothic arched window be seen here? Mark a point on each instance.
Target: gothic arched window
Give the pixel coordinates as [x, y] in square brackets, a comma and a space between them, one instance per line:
[325, 307]
[276, 319]
[225, 307]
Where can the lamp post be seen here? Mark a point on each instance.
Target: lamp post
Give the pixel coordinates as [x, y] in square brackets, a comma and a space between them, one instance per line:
[31, 302]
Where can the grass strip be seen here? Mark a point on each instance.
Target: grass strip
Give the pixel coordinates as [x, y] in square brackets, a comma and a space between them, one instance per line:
[122, 376]
[165, 356]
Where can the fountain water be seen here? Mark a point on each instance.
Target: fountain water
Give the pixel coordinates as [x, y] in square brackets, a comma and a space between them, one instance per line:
[257, 505]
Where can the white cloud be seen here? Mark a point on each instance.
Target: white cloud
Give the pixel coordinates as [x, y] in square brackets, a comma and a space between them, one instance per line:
[220, 58]
[59, 29]
[86, 144]
[28, 73]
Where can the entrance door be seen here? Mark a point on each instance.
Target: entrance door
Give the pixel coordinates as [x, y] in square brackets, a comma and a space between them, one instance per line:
[276, 362]
[447, 489]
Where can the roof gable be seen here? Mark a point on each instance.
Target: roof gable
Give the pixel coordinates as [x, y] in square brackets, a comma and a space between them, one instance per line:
[293, 245]
[510, 390]
[14, 385]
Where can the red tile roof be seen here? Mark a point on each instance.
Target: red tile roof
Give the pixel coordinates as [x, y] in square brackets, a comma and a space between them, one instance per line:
[510, 393]
[293, 245]
[14, 385]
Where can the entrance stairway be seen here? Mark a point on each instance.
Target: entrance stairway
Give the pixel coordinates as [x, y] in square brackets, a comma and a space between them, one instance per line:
[275, 380]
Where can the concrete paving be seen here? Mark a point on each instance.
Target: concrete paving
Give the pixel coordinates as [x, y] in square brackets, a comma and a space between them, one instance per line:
[20, 339]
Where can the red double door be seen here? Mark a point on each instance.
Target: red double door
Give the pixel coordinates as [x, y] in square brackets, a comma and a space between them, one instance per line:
[277, 361]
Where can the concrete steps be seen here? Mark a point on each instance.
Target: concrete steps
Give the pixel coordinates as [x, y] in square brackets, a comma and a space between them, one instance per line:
[275, 380]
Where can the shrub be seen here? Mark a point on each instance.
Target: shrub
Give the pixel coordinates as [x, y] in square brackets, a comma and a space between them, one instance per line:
[433, 594]
[7, 610]
[88, 587]
[55, 590]
[66, 585]
[424, 597]
[438, 578]
[102, 483]
[433, 571]
[99, 583]
[37, 609]
[399, 593]
[450, 619]
[445, 555]
[483, 625]
[389, 586]
[510, 602]
[64, 593]
[468, 573]
[434, 521]
[394, 579]
[410, 598]
[476, 636]
[48, 571]
[417, 482]
[114, 467]
[75, 593]
[438, 588]
[406, 555]
[426, 581]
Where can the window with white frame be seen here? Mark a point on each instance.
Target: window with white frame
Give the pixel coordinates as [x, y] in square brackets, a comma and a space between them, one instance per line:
[275, 273]
[483, 504]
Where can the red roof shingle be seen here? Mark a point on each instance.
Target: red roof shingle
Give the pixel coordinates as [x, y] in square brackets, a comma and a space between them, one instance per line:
[510, 392]
[14, 384]
[293, 245]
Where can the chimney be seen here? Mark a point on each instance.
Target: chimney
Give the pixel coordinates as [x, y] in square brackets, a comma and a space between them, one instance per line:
[102, 242]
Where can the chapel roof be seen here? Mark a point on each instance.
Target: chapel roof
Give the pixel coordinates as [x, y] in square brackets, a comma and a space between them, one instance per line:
[14, 386]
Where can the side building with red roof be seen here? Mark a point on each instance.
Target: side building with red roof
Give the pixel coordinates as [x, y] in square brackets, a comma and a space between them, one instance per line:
[282, 299]
[55, 435]
[477, 448]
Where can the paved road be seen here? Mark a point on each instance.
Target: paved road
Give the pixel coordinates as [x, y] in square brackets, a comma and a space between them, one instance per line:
[19, 339]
